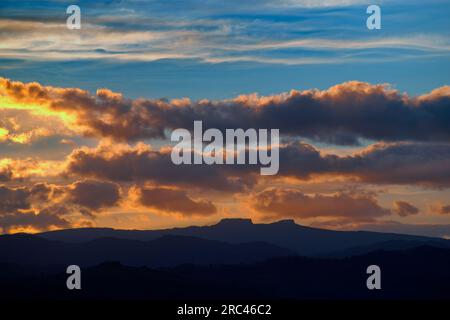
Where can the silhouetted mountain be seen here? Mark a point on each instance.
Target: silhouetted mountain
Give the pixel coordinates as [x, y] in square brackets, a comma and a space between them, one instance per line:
[167, 250]
[233, 259]
[392, 245]
[300, 239]
[419, 273]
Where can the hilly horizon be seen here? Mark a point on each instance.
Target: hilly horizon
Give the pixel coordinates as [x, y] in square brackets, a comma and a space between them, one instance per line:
[234, 258]
[281, 237]
[162, 252]
[303, 240]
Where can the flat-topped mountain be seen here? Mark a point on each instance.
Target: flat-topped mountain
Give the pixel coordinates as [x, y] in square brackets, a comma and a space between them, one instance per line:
[286, 233]
[234, 258]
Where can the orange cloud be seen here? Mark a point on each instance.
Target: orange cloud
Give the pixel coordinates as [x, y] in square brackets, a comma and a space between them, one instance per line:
[45, 206]
[340, 115]
[404, 209]
[440, 209]
[283, 202]
[23, 169]
[172, 201]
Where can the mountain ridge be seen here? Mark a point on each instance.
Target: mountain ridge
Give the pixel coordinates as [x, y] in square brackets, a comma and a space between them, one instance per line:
[287, 234]
[165, 251]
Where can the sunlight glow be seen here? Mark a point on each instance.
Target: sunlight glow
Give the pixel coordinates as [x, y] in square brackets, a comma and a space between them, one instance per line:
[36, 109]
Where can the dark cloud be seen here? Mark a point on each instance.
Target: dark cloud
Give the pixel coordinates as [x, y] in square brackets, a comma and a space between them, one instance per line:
[340, 115]
[12, 199]
[94, 194]
[281, 202]
[395, 163]
[404, 208]
[41, 221]
[176, 201]
[43, 206]
[20, 207]
[6, 175]
[140, 163]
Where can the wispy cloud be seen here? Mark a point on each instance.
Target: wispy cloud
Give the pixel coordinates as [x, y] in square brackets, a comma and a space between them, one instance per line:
[289, 36]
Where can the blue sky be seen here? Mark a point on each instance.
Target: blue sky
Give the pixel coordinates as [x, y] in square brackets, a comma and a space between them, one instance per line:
[220, 49]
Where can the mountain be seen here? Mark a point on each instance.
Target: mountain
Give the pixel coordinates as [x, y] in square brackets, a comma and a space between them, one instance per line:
[169, 250]
[287, 234]
[418, 273]
[234, 259]
[392, 245]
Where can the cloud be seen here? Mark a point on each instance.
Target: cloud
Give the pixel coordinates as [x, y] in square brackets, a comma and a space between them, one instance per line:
[29, 220]
[395, 163]
[21, 207]
[94, 195]
[173, 201]
[404, 209]
[123, 163]
[27, 169]
[33, 130]
[6, 175]
[282, 202]
[341, 115]
[43, 206]
[212, 32]
[14, 199]
[382, 163]
[440, 209]
[318, 4]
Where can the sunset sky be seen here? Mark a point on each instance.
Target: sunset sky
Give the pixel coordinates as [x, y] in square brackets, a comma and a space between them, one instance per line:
[364, 115]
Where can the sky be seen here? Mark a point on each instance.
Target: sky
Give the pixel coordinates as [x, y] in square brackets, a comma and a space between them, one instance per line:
[86, 115]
